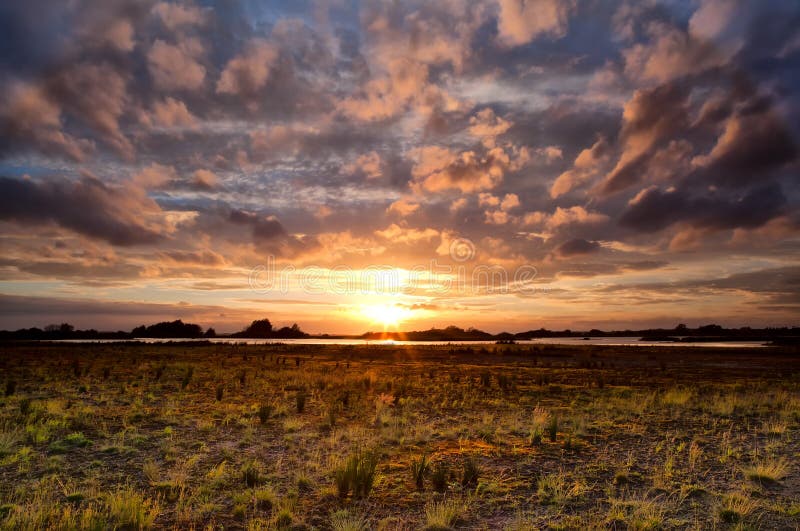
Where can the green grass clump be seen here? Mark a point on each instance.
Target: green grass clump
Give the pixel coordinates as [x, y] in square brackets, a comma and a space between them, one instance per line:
[356, 475]
[442, 515]
[129, 509]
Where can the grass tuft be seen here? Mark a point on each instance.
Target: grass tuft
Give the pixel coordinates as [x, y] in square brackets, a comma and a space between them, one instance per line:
[767, 471]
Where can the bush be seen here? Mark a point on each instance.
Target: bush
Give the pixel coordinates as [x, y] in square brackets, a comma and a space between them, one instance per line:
[220, 392]
[300, 399]
[251, 473]
[419, 467]
[356, 475]
[131, 510]
[344, 521]
[552, 428]
[187, 378]
[264, 413]
[439, 476]
[470, 473]
[442, 515]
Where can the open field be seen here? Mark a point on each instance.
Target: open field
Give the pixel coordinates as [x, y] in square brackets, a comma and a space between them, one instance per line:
[386, 437]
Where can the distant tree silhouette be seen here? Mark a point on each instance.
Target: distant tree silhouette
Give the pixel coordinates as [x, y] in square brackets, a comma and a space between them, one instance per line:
[174, 329]
[262, 329]
[63, 328]
[210, 333]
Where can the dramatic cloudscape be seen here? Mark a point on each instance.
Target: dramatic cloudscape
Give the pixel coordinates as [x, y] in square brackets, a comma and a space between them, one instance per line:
[503, 164]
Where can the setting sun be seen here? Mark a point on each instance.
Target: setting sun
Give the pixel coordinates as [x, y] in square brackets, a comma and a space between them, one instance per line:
[388, 315]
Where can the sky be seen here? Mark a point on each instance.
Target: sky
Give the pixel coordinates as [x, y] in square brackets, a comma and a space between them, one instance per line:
[354, 166]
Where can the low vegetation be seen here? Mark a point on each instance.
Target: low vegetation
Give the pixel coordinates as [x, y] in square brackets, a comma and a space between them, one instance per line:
[134, 436]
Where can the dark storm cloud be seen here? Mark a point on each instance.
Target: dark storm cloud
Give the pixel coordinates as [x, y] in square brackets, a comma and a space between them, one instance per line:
[577, 246]
[87, 206]
[264, 228]
[781, 284]
[654, 210]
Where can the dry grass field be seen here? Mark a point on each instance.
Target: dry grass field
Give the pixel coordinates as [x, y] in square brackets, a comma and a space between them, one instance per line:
[131, 436]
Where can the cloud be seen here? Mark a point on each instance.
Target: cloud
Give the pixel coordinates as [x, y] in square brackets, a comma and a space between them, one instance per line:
[521, 21]
[403, 207]
[564, 217]
[175, 67]
[264, 227]
[169, 113]
[458, 204]
[751, 145]
[97, 95]
[246, 74]
[440, 169]
[496, 217]
[404, 83]
[120, 216]
[587, 166]
[204, 180]
[577, 247]
[405, 235]
[368, 164]
[28, 119]
[177, 16]
[653, 210]
[650, 116]
[671, 54]
[487, 125]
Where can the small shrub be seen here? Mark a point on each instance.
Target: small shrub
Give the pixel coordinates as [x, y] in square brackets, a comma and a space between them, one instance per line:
[8, 439]
[284, 518]
[187, 378]
[344, 521]
[556, 489]
[77, 439]
[220, 392]
[735, 507]
[536, 437]
[552, 428]
[419, 467]
[25, 407]
[129, 509]
[356, 475]
[264, 413]
[331, 415]
[11, 387]
[470, 473]
[443, 514]
[767, 471]
[251, 473]
[300, 400]
[439, 476]
[264, 499]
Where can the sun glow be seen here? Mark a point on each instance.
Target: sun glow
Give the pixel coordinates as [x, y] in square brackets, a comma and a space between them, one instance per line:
[388, 315]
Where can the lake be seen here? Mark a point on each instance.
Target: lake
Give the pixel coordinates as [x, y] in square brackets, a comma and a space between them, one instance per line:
[608, 341]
